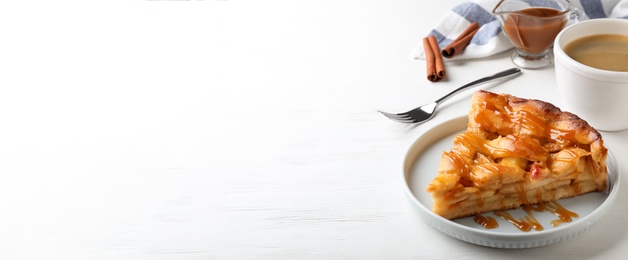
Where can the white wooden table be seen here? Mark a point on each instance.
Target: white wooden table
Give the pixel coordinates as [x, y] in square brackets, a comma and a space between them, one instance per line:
[233, 130]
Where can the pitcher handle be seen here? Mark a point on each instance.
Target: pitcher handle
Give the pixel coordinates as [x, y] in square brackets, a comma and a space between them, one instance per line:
[576, 15]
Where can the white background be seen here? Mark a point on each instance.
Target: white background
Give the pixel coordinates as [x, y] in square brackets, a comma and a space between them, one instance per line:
[232, 130]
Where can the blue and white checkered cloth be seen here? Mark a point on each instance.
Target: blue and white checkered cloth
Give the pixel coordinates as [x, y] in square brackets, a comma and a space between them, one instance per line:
[489, 39]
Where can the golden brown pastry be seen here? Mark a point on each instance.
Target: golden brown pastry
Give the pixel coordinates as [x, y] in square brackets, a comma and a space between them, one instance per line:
[516, 152]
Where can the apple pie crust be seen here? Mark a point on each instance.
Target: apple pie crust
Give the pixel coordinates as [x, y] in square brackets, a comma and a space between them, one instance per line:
[517, 152]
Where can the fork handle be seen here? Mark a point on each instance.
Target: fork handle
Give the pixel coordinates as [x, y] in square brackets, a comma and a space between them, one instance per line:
[499, 75]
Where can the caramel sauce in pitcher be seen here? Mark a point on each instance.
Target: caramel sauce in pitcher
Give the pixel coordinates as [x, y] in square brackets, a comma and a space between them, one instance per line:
[533, 30]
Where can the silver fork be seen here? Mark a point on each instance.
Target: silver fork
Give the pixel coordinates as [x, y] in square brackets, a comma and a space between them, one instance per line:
[425, 112]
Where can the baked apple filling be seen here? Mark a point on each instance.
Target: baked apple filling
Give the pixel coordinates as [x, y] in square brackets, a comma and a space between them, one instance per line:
[517, 152]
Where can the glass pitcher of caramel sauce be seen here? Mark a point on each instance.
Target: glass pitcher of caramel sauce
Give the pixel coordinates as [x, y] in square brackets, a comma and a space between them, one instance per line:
[532, 25]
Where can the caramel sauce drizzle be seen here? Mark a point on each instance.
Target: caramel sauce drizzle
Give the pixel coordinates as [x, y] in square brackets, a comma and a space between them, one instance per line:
[528, 121]
[529, 222]
[563, 214]
[521, 224]
[522, 192]
[530, 217]
[486, 222]
[563, 137]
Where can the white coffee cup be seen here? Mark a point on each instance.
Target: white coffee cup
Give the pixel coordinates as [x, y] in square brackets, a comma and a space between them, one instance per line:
[598, 96]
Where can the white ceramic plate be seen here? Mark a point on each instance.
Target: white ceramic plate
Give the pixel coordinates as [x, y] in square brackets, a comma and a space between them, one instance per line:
[421, 165]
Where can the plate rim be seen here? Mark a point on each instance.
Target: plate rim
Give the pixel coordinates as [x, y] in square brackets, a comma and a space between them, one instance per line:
[578, 227]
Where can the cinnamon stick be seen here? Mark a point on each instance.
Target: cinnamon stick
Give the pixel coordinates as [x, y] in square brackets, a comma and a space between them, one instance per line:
[458, 45]
[434, 61]
[430, 61]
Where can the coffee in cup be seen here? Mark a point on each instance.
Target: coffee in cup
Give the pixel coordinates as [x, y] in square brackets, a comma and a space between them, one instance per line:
[593, 88]
[601, 51]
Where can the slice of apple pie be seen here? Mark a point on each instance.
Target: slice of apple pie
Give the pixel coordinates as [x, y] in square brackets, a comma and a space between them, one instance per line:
[516, 152]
